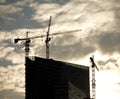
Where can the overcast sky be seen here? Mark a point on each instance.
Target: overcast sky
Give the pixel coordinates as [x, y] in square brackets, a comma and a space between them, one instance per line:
[99, 21]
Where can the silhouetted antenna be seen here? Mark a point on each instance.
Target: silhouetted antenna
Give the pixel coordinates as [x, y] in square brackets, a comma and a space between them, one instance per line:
[48, 39]
[93, 77]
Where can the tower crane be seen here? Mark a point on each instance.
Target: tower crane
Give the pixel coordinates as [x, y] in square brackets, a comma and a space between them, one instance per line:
[93, 77]
[28, 39]
[27, 43]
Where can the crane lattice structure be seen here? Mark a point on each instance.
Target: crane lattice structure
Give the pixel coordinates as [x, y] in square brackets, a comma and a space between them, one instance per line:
[48, 39]
[28, 39]
[93, 77]
[27, 44]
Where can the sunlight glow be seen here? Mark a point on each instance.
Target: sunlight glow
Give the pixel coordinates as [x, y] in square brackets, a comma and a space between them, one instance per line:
[106, 84]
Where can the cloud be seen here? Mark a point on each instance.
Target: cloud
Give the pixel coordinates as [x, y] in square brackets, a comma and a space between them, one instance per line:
[117, 14]
[17, 14]
[2, 1]
[65, 48]
[85, 15]
[4, 62]
[108, 42]
[5, 11]
[9, 9]
[61, 2]
[11, 66]
[12, 77]
[11, 53]
[110, 64]
[104, 62]
[36, 15]
[11, 94]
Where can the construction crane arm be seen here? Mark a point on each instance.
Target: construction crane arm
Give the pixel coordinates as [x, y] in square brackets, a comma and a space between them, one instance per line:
[93, 63]
[41, 36]
[96, 67]
[19, 39]
[64, 32]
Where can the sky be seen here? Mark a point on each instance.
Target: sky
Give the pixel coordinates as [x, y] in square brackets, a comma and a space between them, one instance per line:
[99, 21]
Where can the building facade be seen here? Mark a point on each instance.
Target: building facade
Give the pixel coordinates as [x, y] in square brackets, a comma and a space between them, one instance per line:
[51, 79]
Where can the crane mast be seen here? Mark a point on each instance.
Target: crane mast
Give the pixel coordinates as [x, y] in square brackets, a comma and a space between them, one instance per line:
[93, 77]
[48, 39]
[93, 83]
[27, 44]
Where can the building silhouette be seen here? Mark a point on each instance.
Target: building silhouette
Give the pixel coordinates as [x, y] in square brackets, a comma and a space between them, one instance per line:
[52, 79]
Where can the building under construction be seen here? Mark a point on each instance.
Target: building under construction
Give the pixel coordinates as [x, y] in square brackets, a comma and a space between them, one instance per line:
[51, 79]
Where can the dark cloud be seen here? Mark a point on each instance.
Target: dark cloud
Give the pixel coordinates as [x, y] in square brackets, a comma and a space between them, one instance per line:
[61, 2]
[108, 43]
[9, 43]
[111, 60]
[11, 94]
[72, 50]
[10, 47]
[20, 19]
[66, 47]
[23, 18]
[11, 1]
[109, 64]
[117, 17]
[6, 62]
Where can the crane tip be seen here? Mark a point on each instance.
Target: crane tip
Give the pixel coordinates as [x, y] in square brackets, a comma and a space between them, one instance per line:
[16, 40]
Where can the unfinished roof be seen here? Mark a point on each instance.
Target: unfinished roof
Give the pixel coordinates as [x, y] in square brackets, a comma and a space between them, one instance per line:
[63, 62]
